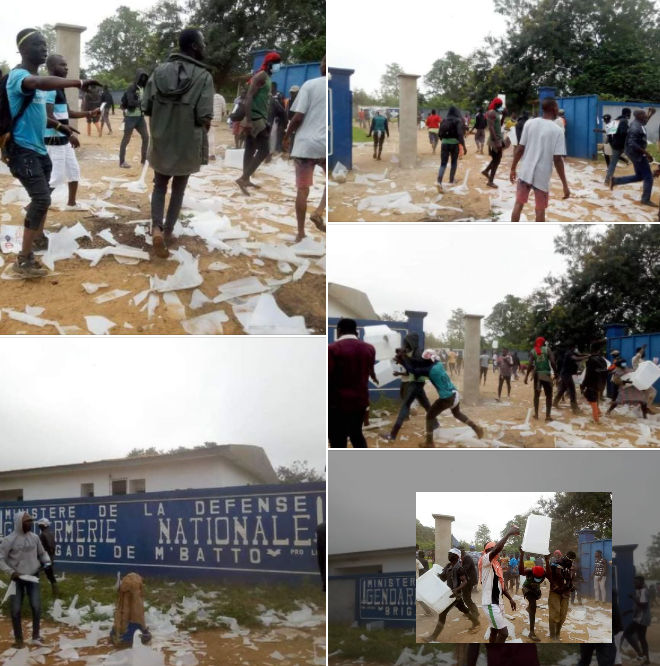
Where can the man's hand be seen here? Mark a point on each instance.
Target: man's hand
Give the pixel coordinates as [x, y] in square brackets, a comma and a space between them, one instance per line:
[513, 530]
[513, 604]
[512, 175]
[567, 192]
[89, 83]
[73, 140]
[246, 126]
[15, 575]
[93, 112]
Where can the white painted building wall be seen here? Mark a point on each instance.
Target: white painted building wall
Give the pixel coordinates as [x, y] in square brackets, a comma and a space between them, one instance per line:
[389, 561]
[158, 475]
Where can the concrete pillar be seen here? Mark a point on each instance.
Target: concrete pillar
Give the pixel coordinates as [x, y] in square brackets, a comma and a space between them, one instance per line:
[471, 353]
[442, 536]
[67, 44]
[408, 120]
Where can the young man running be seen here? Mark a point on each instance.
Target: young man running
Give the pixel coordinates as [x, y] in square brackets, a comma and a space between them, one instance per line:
[492, 585]
[454, 575]
[542, 363]
[134, 118]
[28, 157]
[61, 142]
[448, 397]
[531, 590]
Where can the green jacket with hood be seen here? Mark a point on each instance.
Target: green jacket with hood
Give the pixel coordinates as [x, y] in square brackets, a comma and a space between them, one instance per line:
[22, 552]
[178, 98]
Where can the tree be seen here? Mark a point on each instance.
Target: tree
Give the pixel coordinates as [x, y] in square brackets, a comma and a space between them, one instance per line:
[511, 322]
[233, 30]
[424, 536]
[449, 79]
[393, 316]
[481, 537]
[165, 21]
[137, 453]
[298, 472]
[389, 84]
[455, 333]
[513, 543]
[652, 568]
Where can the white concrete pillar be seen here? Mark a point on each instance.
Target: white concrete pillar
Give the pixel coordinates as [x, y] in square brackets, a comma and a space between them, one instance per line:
[442, 537]
[471, 353]
[408, 121]
[67, 44]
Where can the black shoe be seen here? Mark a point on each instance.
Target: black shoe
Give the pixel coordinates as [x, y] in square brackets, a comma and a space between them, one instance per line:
[40, 243]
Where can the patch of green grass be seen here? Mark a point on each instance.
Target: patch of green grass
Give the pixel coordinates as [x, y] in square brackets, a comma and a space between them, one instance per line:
[360, 135]
[385, 645]
[241, 601]
[384, 403]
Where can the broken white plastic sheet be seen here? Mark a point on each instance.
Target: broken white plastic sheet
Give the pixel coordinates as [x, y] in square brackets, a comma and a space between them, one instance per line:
[111, 295]
[99, 325]
[234, 158]
[384, 340]
[537, 534]
[95, 255]
[260, 315]
[186, 276]
[396, 202]
[242, 287]
[432, 591]
[63, 244]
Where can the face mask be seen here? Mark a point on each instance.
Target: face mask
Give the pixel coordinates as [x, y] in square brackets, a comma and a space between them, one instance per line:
[276, 67]
[623, 365]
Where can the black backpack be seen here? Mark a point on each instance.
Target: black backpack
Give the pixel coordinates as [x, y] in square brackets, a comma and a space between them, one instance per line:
[449, 128]
[7, 123]
[238, 113]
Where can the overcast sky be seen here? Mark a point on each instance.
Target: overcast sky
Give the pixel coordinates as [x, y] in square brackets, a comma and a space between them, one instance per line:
[366, 37]
[473, 509]
[372, 495]
[437, 268]
[68, 400]
[41, 12]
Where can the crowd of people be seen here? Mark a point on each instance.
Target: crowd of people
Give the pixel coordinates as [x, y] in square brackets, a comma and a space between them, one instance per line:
[178, 100]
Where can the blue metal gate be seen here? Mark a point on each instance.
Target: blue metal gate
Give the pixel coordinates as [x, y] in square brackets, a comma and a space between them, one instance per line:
[581, 119]
[587, 547]
[340, 118]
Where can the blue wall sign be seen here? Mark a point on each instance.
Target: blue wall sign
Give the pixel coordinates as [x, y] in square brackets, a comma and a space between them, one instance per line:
[247, 531]
[389, 597]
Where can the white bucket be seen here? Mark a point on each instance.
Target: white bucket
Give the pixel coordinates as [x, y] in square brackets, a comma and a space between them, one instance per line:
[432, 591]
[234, 158]
[645, 376]
[384, 339]
[537, 535]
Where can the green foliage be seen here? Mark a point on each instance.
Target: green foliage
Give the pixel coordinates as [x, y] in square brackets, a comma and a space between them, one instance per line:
[513, 544]
[481, 537]
[389, 84]
[360, 135]
[424, 536]
[298, 472]
[449, 79]
[652, 567]
[511, 322]
[455, 335]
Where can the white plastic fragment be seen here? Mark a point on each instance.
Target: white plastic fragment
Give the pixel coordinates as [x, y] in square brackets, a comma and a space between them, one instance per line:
[93, 287]
[174, 305]
[186, 276]
[99, 325]
[198, 299]
[111, 295]
[206, 324]
[261, 315]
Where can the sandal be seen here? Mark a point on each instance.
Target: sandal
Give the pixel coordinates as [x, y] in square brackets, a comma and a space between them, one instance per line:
[317, 221]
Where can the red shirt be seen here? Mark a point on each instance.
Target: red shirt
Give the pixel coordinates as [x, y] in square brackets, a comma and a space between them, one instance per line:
[433, 121]
[350, 363]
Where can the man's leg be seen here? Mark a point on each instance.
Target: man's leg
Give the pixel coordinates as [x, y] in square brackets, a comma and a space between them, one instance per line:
[177, 193]
[144, 133]
[34, 597]
[508, 386]
[355, 421]
[500, 383]
[554, 604]
[537, 396]
[563, 610]
[431, 417]
[454, 162]
[304, 176]
[381, 141]
[547, 389]
[129, 125]
[73, 191]
[616, 154]
[466, 593]
[457, 414]
[157, 211]
[16, 601]
[337, 431]
[404, 411]
[630, 635]
[444, 159]
[531, 610]
[647, 178]
[473, 617]
[439, 626]
[262, 148]
[586, 649]
[375, 135]
[50, 574]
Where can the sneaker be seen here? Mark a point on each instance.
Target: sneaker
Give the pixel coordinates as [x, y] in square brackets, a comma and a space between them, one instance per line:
[648, 202]
[18, 645]
[29, 267]
[38, 641]
[125, 165]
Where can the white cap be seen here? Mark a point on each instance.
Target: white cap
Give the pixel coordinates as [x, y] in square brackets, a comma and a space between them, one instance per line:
[43, 522]
[456, 551]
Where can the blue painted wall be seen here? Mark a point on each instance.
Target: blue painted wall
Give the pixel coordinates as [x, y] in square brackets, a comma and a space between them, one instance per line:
[340, 117]
[289, 75]
[627, 344]
[624, 572]
[246, 532]
[414, 324]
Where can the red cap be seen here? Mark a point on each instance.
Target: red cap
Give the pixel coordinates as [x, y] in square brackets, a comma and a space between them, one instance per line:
[538, 572]
[271, 57]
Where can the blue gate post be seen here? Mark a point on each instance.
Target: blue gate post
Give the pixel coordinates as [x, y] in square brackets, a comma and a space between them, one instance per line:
[625, 572]
[340, 117]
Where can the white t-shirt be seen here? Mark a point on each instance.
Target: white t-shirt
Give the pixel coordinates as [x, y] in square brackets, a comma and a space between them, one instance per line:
[543, 139]
[219, 107]
[488, 580]
[311, 135]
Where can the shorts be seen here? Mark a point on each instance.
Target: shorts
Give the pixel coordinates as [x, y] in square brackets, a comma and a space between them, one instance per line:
[65, 165]
[480, 136]
[33, 170]
[495, 616]
[305, 170]
[541, 198]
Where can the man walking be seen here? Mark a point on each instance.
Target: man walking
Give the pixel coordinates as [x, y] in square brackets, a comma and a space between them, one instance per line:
[433, 124]
[454, 575]
[470, 569]
[309, 126]
[92, 104]
[534, 576]
[636, 149]
[483, 366]
[255, 124]
[561, 583]
[47, 539]
[495, 140]
[107, 103]
[542, 363]
[378, 128]
[541, 145]
[178, 98]
[505, 366]
[493, 589]
[568, 368]
[618, 135]
[131, 103]
[60, 143]
[600, 577]
[21, 554]
[26, 150]
[480, 125]
[350, 365]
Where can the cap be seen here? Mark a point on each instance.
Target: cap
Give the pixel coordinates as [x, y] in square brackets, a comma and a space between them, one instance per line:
[455, 551]
[557, 552]
[490, 544]
[44, 522]
[294, 89]
[538, 573]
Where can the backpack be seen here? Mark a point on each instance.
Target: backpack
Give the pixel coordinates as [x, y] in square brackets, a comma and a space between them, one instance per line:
[123, 102]
[449, 129]
[7, 123]
[619, 137]
[238, 112]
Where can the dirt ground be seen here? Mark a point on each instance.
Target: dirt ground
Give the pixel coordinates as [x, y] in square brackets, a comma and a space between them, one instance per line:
[288, 645]
[469, 199]
[591, 617]
[506, 423]
[267, 216]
